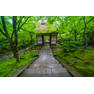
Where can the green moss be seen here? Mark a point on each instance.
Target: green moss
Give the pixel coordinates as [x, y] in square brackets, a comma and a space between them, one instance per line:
[54, 46]
[81, 60]
[32, 47]
[10, 65]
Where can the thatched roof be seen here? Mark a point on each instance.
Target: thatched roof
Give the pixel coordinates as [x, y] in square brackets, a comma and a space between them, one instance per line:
[44, 28]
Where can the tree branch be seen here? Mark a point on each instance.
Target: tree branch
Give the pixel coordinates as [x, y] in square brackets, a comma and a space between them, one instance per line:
[23, 24]
[18, 25]
[20, 21]
[8, 38]
[90, 20]
[4, 26]
[3, 33]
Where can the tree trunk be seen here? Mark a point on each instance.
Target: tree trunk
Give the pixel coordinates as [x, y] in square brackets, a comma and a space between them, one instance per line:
[75, 34]
[61, 38]
[84, 34]
[15, 48]
[31, 38]
[16, 54]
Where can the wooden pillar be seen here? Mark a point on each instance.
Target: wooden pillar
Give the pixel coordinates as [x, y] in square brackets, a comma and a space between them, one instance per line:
[42, 39]
[50, 39]
[37, 38]
[56, 38]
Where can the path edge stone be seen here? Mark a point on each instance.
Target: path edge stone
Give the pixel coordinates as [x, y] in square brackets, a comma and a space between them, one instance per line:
[21, 69]
[69, 69]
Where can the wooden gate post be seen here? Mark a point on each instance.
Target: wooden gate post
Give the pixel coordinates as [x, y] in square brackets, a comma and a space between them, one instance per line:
[42, 39]
[50, 39]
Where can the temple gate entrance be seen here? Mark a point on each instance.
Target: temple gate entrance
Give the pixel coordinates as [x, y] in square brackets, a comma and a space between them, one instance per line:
[44, 38]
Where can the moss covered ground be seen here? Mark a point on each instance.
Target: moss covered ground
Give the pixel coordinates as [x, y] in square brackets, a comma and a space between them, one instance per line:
[81, 60]
[10, 65]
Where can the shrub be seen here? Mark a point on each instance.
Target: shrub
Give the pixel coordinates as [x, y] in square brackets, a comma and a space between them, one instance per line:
[71, 46]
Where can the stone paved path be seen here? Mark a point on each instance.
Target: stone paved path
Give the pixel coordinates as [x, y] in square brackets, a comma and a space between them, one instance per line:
[45, 66]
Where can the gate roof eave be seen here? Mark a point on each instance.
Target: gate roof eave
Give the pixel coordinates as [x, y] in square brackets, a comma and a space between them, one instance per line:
[47, 34]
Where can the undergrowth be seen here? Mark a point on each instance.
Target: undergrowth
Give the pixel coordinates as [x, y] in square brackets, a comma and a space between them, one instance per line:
[80, 59]
[10, 65]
